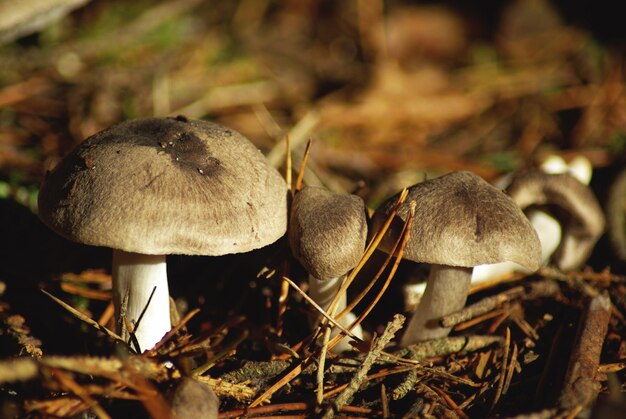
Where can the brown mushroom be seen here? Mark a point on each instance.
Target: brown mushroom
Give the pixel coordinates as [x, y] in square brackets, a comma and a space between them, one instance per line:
[572, 203]
[151, 187]
[460, 222]
[327, 234]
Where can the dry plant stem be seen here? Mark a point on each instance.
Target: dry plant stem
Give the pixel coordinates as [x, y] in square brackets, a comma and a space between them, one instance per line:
[402, 241]
[384, 401]
[447, 346]
[356, 381]
[283, 408]
[503, 368]
[406, 385]
[135, 276]
[481, 307]
[446, 291]
[66, 381]
[511, 369]
[323, 292]
[437, 347]
[229, 350]
[373, 244]
[581, 385]
[290, 375]
[319, 309]
[84, 318]
[375, 376]
[320, 367]
[305, 158]
[298, 135]
[288, 174]
[282, 306]
[450, 403]
[174, 330]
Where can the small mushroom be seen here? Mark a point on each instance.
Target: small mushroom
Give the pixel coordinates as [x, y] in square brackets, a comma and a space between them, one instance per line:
[571, 202]
[192, 399]
[460, 222]
[151, 187]
[327, 234]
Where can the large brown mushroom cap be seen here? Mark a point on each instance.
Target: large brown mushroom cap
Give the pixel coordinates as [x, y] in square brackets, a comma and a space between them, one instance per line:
[166, 186]
[461, 220]
[578, 211]
[327, 231]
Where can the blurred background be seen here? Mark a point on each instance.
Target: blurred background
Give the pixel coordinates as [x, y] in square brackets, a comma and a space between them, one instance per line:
[388, 90]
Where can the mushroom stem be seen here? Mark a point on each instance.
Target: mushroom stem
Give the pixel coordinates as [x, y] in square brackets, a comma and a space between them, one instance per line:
[323, 292]
[446, 292]
[135, 276]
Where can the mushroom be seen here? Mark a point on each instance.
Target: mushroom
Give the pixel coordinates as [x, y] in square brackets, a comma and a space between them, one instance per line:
[460, 222]
[151, 187]
[327, 235]
[547, 227]
[191, 398]
[571, 202]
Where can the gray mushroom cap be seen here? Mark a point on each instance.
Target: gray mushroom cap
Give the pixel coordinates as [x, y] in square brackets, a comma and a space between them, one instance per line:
[166, 186]
[327, 231]
[461, 220]
[578, 211]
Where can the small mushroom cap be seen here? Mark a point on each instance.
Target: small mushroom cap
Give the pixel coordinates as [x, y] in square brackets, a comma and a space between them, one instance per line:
[327, 231]
[193, 399]
[166, 186]
[576, 207]
[461, 220]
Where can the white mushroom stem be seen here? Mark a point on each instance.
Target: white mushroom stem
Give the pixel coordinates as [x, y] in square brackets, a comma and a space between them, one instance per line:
[446, 292]
[135, 276]
[323, 292]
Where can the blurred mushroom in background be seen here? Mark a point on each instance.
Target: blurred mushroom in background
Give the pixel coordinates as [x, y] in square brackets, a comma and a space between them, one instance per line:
[22, 18]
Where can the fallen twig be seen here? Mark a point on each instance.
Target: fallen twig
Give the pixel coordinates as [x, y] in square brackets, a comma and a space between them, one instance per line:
[503, 367]
[447, 345]
[481, 307]
[84, 318]
[368, 362]
[581, 385]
